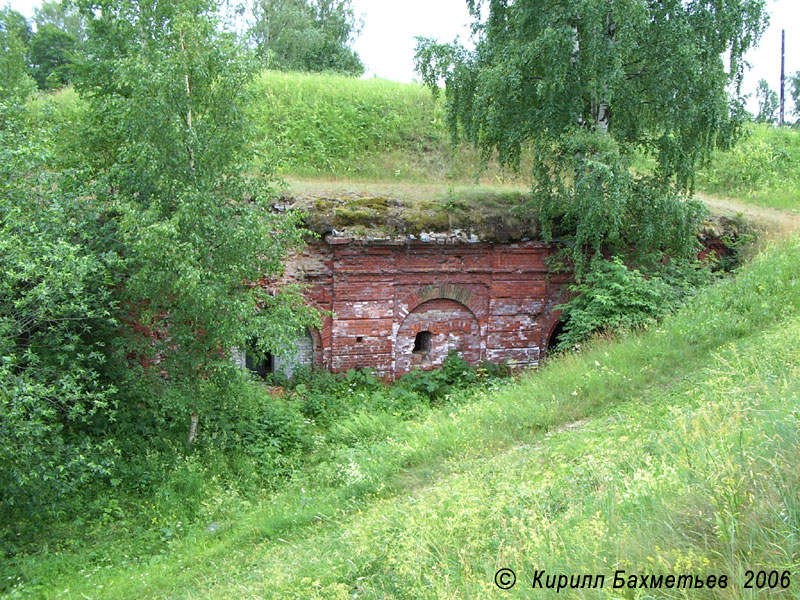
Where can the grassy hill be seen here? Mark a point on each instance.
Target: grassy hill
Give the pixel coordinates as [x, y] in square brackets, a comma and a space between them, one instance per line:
[331, 126]
[763, 169]
[670, 451]
[673, 450]
[334, 127]
[314, 129]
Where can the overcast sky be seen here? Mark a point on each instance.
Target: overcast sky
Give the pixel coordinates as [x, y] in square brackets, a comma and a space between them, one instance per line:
[386, 43]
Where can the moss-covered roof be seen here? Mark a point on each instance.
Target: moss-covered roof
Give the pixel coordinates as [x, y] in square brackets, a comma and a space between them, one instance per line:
[477, 216]
[431, 212]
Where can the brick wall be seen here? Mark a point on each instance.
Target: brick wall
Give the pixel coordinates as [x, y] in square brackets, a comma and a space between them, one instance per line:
[487, 301]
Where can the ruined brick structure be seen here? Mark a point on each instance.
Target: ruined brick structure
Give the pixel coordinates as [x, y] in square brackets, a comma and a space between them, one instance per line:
[403, 303]
[403, 297]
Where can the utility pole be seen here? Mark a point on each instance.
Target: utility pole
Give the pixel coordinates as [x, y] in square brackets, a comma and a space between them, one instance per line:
[783, 83]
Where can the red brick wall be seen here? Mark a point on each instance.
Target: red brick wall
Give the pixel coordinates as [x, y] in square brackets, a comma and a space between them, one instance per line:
[488, 301]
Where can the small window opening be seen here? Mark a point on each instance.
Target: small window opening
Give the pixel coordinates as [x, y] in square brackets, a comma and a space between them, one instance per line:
[360, 339]
[422, 343]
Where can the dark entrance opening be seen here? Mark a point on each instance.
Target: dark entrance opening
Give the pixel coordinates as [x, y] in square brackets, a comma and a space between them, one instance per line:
[422, 343]
[260, 365]
[555, 337]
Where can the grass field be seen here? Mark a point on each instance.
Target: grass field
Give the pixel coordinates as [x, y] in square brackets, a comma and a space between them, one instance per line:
[338, 128]
[672, 451]
[763, 169]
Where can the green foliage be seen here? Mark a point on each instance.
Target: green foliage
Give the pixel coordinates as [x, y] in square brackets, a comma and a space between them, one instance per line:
[748, 167]
[794, 92]
[615, 297]
[763, 168]
[61, 15]
[267, 432]
[332, 126]
[168, 139]
[13, 23]
[15, 84]
[132, 236]
[51, 55]
[58, 315]
[455, 373]
[767, 103]
[306, 35]
[328, 124]
[327, 397]
[671, 450]
[584, 85]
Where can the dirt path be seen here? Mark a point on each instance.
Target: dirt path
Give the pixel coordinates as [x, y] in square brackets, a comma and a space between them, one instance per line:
[771, 220]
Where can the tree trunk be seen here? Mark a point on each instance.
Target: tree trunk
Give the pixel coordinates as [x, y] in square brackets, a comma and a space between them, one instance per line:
[188, 119]
[192, 428]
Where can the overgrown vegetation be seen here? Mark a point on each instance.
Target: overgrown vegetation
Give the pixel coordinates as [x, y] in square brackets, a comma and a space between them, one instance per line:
[671, 450]
[341, 128]
[125, 266]
[263, 439]
[584, 87]
[616, 297]
[764, 168]
[133, 453]
[335, 126]
[329, 127]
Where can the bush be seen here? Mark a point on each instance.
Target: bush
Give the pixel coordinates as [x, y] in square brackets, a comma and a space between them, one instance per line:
[58, 320]
[262, 425]
[456, 373]
[615, 297]
[747, 167]
[763, 168]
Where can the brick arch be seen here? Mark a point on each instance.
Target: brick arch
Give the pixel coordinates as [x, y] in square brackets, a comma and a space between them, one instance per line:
[549, 325]
[447, 291]
[450, 325]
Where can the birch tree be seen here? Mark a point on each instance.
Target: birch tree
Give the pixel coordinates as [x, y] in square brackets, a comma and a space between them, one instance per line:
[168, 150]
[585, 86]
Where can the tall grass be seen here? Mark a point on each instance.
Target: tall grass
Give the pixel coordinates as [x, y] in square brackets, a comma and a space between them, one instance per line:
[332, 126]
[669, 451]
[337, 127]
[763, 168]
[329, 126]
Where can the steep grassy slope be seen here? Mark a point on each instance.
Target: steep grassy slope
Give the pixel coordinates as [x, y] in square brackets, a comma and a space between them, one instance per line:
[339, 127]
[330, 127]
[667, 452]
[326, 126]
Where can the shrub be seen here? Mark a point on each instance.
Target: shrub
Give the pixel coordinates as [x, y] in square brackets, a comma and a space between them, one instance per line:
[456, 373]
[747, 167]
[614, 296]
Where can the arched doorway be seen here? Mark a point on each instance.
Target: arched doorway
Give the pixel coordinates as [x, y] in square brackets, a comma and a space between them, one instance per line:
[555, 337]
[433, 329]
